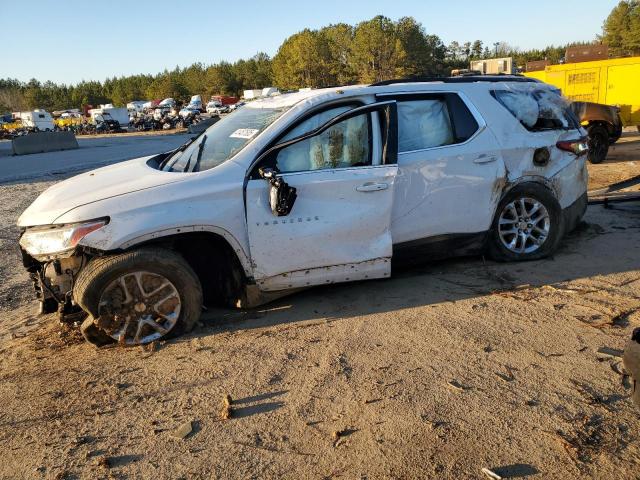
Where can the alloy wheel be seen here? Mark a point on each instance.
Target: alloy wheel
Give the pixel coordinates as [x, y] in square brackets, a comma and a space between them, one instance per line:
[139, 307]
[524, 225]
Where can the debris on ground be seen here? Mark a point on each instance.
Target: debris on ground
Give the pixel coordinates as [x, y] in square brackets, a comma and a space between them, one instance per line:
[491, 474]
[612, 352]
[227, 409]
[509, 376]
[457, 386]
[183, 430]
[338, 435]
[594, 437]
[151, 347]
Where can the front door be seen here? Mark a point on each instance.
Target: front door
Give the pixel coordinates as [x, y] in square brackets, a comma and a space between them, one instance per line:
[338, 228]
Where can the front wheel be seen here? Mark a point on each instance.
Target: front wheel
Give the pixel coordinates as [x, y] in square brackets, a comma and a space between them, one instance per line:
[139, 296]
[527, 226]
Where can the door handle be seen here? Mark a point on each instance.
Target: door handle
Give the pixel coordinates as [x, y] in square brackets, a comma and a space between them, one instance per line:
[372, 187]
[485, 159]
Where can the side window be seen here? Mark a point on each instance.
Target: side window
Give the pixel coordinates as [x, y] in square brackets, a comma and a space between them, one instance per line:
[464, 123]
[423, 124]
[434, 122]
[345, 144]
[315, 121]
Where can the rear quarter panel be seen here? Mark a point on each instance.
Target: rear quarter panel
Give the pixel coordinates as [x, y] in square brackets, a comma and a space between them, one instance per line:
[565, 173]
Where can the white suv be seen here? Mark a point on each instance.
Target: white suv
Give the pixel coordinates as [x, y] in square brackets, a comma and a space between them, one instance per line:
[304, 189]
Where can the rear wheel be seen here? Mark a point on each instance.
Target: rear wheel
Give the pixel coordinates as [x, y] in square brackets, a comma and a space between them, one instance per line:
[527, 226]
[139, 296]
[598, 144]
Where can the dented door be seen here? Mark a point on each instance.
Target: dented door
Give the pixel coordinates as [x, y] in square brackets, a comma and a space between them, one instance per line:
[338, 228]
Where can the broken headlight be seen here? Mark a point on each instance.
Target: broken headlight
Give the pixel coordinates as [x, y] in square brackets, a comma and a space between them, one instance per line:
[57, 239]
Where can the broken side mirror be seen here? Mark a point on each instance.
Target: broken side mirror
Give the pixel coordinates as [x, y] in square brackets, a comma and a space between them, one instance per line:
[266, 173]
[281, 195]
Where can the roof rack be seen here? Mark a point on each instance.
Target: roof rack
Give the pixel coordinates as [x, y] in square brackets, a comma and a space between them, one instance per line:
[460, 79]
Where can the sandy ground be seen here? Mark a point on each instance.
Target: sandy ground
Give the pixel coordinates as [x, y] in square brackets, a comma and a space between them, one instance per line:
[439, 372]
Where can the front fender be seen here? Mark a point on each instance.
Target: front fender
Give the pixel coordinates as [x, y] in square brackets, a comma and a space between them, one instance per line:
[243, 257]
[205, 203]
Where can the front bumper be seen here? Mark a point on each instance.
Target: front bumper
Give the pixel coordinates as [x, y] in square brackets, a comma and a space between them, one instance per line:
[53, 283]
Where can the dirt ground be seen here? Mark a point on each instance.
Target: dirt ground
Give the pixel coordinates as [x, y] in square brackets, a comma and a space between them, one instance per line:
[439, 372]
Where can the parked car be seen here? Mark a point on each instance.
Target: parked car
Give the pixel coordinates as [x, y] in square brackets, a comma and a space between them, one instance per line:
[216, 108]
[235, 106]
[105, 123]
[167, 102]
[212, 107]
[305, 189]
[189, 112]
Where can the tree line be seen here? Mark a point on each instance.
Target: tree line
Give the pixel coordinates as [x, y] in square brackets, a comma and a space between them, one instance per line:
[340, 54]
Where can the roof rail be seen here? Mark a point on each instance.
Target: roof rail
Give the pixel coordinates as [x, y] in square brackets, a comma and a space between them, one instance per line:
[460, 79]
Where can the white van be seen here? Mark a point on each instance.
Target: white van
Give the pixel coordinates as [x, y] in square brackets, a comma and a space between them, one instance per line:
[38, 120]
[196, 103]
[121, 115]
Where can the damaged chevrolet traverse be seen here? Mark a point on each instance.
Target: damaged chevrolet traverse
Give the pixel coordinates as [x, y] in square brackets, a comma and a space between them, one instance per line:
[304, 189]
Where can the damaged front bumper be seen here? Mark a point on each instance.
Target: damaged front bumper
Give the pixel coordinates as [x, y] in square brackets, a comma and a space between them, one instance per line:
[53, 280]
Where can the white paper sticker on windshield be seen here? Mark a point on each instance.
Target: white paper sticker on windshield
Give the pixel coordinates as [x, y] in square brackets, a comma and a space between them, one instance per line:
[244, 133]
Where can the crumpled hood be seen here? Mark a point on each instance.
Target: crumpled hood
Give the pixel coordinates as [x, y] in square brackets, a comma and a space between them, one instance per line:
[89, 187]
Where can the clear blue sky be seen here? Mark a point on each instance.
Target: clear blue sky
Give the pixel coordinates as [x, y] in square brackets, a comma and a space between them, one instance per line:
[70, 40]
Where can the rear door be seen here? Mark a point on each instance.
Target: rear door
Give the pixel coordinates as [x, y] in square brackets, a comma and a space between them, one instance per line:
[338, 228]
[448, 167]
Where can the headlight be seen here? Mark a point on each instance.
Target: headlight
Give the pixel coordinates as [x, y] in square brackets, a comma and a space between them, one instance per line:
[56, 239]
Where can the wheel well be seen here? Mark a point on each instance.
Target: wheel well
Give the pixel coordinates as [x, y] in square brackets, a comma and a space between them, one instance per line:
[614, 131]
[541, 181]
[601, 123]
[213, 260]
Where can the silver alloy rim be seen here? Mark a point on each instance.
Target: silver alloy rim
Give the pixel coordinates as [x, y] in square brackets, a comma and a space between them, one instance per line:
[139, 307]
[524, 225]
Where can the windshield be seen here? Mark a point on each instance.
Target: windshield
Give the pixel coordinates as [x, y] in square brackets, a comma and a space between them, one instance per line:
[222, 140]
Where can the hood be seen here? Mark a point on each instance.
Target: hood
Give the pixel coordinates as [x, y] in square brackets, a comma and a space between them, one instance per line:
[89, 187]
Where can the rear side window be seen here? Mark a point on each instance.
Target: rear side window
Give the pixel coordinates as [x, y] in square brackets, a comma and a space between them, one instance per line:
[423, 124]
[538, 110]
[433, 120]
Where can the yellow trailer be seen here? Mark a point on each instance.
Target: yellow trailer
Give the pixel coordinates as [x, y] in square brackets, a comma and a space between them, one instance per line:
[610, 82]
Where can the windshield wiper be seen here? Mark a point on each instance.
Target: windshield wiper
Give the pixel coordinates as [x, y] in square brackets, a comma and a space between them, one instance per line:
[196, 166]
[175, 155]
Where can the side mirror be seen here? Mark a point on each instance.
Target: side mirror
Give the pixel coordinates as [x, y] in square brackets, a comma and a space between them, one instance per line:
[266, 173]
[281, 195]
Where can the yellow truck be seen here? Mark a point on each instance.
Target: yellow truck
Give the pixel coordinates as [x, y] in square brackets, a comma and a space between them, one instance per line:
[614, 82]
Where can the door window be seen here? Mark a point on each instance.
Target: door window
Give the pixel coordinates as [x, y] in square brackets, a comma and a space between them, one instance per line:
[315, 121]
[423, 124]
[345, 144]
